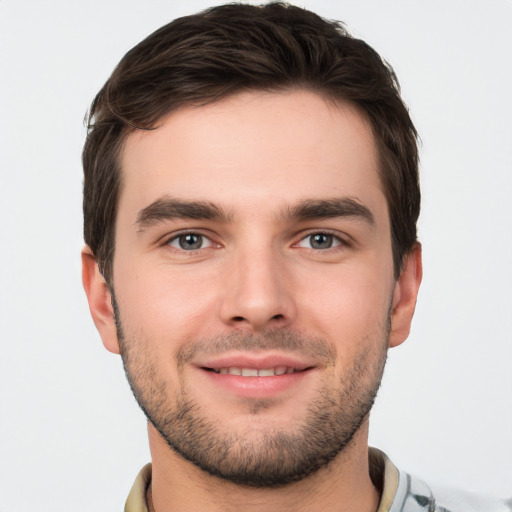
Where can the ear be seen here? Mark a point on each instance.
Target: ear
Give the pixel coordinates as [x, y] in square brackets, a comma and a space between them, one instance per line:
[404, 296]
[100, 301]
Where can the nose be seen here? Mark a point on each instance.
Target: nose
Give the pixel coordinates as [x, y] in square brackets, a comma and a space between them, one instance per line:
[257, 291]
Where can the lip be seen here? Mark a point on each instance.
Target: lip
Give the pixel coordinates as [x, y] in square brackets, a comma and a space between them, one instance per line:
[257, 361]
[255, 387]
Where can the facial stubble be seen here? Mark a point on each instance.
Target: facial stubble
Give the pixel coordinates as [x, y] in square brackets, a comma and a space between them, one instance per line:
[261, 456]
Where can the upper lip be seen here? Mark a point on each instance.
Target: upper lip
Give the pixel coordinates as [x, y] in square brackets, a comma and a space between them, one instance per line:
[257, 361]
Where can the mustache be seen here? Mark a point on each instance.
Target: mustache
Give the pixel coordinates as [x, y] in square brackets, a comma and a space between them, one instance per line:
[278, 339]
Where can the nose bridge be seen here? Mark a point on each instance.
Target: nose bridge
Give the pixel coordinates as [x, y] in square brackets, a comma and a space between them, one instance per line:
[257, 288]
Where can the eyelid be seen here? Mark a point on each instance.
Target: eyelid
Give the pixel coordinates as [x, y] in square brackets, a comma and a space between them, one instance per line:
[166, 240]
[341, 238]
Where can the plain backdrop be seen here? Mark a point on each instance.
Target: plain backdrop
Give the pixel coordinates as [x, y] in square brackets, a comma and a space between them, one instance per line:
[71, 435]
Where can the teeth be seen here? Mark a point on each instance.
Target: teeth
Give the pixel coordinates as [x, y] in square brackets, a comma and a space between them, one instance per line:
[253, 372]
[268, 372]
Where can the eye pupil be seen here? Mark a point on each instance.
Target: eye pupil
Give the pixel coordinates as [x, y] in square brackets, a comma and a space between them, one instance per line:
[190, 241]
[321, 241]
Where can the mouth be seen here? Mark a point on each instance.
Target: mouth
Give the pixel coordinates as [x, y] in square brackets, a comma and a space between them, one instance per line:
[257, 375]
[257, 372]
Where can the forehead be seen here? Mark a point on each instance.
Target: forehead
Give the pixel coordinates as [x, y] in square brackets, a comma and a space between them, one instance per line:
[253, 150]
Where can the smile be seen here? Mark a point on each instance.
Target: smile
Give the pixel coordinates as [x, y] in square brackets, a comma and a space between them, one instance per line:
[255, 376]
[255, 372]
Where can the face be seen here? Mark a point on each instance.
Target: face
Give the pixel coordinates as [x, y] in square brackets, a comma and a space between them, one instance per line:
[253, 278]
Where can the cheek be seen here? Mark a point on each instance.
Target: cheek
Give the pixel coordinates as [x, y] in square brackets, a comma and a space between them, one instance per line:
[163, 308]
[349, 308]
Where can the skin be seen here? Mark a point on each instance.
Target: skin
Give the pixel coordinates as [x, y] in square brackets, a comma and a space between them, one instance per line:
[256, 156]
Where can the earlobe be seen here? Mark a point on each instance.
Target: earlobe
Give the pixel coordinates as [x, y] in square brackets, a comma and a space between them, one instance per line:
[405, 295]
[100, 301]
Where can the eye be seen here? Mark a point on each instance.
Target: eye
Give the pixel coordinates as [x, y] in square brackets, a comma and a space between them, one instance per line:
[190, 242]
[320, 241]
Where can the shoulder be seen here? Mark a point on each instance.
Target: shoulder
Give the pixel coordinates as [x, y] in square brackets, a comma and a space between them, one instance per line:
[420, 497]
[402, 492]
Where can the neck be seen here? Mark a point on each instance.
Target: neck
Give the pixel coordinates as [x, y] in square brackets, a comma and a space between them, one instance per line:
[341, 486]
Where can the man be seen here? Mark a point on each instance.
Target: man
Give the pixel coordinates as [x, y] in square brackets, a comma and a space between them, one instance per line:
[250, 202]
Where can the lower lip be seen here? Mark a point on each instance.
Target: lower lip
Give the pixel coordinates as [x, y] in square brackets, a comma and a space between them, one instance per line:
[256, 387]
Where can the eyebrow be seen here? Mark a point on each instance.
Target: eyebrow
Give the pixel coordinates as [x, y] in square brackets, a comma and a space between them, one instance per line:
[312, 209]
[168, 208]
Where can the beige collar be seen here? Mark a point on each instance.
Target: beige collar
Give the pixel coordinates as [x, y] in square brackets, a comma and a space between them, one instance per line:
[383, 473]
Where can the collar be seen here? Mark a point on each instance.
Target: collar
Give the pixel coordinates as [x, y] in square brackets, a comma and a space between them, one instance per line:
[383, 473]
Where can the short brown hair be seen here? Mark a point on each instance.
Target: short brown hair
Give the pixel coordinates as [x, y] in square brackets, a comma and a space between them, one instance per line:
[200, 59]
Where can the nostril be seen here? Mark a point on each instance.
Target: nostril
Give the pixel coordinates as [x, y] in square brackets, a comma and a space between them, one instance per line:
[277, 317]
[238, 318]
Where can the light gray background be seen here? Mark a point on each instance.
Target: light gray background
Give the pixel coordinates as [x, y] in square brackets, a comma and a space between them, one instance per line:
[71, 435]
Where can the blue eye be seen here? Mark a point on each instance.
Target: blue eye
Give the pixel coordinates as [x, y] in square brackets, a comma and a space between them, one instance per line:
[320, 241]
[190, 242]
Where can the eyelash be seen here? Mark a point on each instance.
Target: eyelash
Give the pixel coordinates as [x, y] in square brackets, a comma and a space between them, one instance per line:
[337, 241]
[176, 237]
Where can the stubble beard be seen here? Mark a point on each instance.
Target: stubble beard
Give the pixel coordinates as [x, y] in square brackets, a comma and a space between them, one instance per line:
[262, 456]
